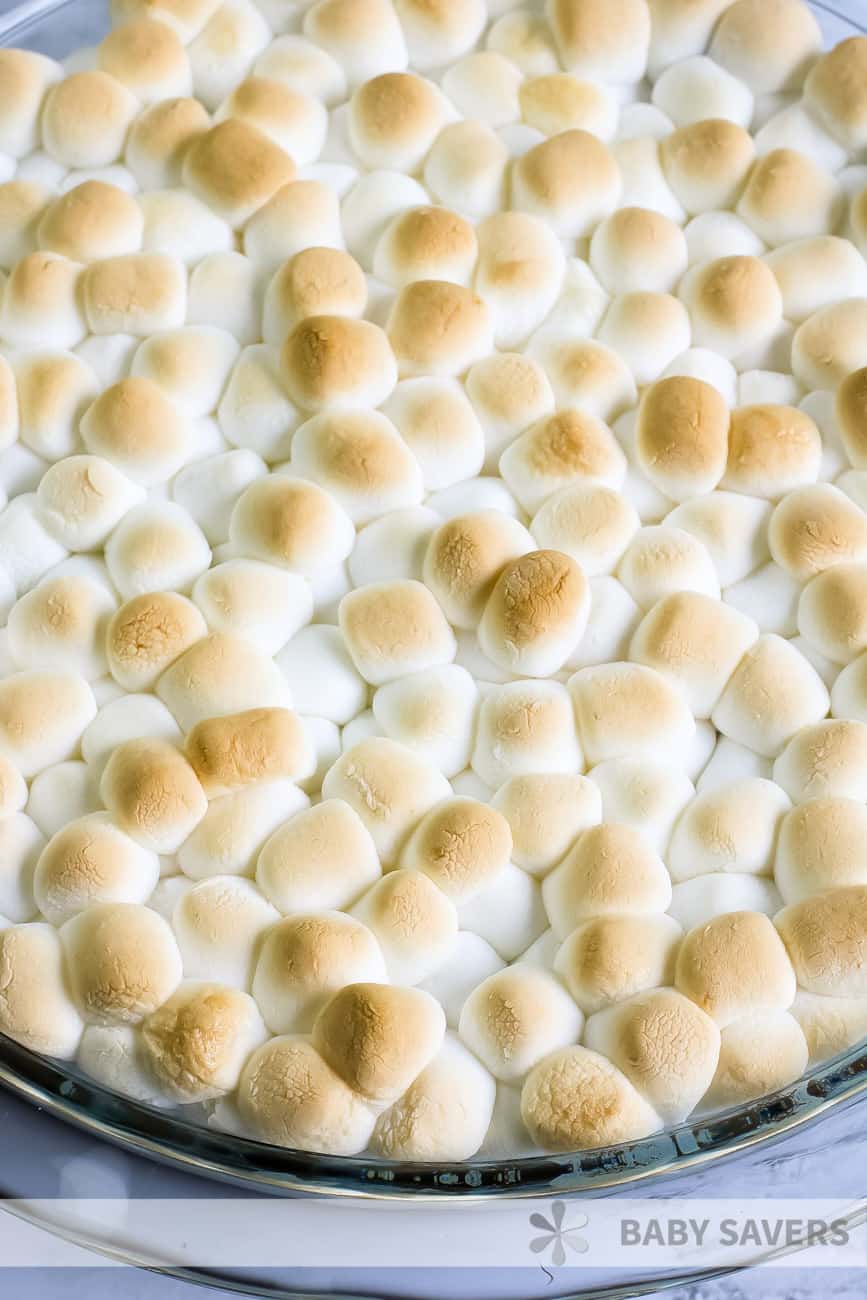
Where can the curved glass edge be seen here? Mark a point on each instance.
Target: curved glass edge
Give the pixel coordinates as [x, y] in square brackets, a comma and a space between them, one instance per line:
[176, 1141]
[197, 1149]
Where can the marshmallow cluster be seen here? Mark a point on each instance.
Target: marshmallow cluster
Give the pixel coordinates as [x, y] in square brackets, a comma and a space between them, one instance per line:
[433, 564]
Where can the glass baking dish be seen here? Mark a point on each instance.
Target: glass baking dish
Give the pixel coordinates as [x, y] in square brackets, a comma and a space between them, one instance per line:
[57, 27]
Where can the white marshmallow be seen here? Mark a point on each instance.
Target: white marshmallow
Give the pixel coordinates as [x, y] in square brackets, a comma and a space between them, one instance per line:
[180, 225]
[219, 925]
[773, 692]
[695, 902]
[259, 602]
[113, 1055]
[21, 843]
[644, 794]
[508, 914]
[720, 234]
[62, 793]
[393, 546]
[644, 182]
[663, 560]
[156, 548]
[519, 274]
[62, 624]
[255, 412]
[303, 66]
[365, 39]
[224, 292]
[697, 89]
[413, 921]
[472, 960]
[82, 498]
[231, 835]
[370, 205]
[27, 550]
[436, 420]
[614, 615]
[224, 48]
[733, 529]
[321, 674]
[700, 363]
[432, 712]
[300, 215]
[515, 1017]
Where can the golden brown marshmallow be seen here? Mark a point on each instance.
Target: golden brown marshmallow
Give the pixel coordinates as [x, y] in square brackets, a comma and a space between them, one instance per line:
[609, 871]
[90, 861]
[461, 845]
[296, 122]
[147, 57]
[830, 344]
[159, 139]
[136, 294]
[334, 361]
[576, 1099]
[241, 749]
[36, 1009]
[236, 169]
[426, 244]
[772, 693]
[515, 1018]
[821, 847]
[394, 119]
[21, 206]
[54, 389]
[315, 282]
[571, 180]
[323, 857]
[464, 558]
[545, 812]
[560, 448]
[135, 426]
[609, 44]
[706, 163]
[42, 303]
[85, 119]
[836, 91]
[147, 634]
[611, 958]
[788, 196]
[826, 939]
[625, 709]
[42, 717]
[759, 1054]
[91, 222]
[153, 794]
[394, 628]
[221, 674]
[832, 612]
[734, 304]
[682, 436]
[24, 76]
[556, 102]
[196, 1044]
[123, 962]
[735, 964]
[638, 249]
[439, 328]
[536, 613]
[851, 412]
[813, 528]
[361, 461]
[769, 44]
[291, 522]
[772, 451]
[826, 760]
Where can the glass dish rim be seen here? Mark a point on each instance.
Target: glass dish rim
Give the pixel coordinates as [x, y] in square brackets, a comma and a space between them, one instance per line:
[65, 1092]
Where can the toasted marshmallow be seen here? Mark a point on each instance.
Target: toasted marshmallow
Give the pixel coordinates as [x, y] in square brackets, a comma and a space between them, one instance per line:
[706, 163]
[223, 49]
[61, 624]
[829, 1024]
[219, 925]
[439, 328]
[90, 861]
[558, 449]
[588, 521]
[122, 960]
[515, 1018]
[371, 204]
[710, 368]
[830, 344]
[661, 561]
[825, 937]
[610, 870]
[389, 787]
[259, 602]
[733, 529]
[300, 215]
[611, 958]
[337, 362]
[295, 121]
[857, 217]
[789, 197]
[834, 92]
[648, 330]
[360, 461]
[697, 89]
[191, 365]
[682, 436]
[545, 182]
[545, 812]
[734, 965]
[815, 528]
[41, 303]
[322, 857]
[426, 244]
[147, 634]
[394, 119]
[221, 674]
[37, 1010]
[519, 274]
[585, 374]
[850, 410]
[394, 628]
[556, 102]
[42, 716]
[464, 557]
[379, 1038]
[61, 793]
[576, 1099]
[306, 959]
[159, 138]
[772, 693]
[629, 709]
[820, 848]
[235, 169]
[509, 392]
[54, 389]
[91, 221]
[772, 451]
[123, 718]
[153, 794]
[769, 46]
[461, 845]
[758, 1054]
[731, 828]
[366, 39]
[536, 613]
[139, 294]
[156, 548]
[608, 47]
[466, 167]
[113, 1056]
[827, 760]
[637, 249]
[734, 304]
[290, 1097]
[223, 293]
[432, 713]
[435, 418]
[13, 789]
[831, 612]
[304, 67]
[228, 839]
[316, 281]
[667, 1047]
[196, 1044]
[646, 795]
[147, 57]
[85, 119]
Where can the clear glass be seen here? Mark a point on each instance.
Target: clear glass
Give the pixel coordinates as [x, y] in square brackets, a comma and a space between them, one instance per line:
[57, 28]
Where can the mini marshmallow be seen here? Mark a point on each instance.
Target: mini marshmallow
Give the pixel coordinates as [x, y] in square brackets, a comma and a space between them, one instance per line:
[147, 57]
[720, 234]
[321, 674]
[472, 497]
[825, 938]
[706, 163]
[636, 249]
[316, 281]
[26, 77]
[21, 843]
[509, 392]
[209, 489]
[394, 119]
[113, 1056]
[472, 960]
[196, 1044]
[646, 795]
[219, 925]
[772, 451]
[85, 119]
[815, 528]
[734, 304]
[610, 958]
[191, 365]
[8, 405]
[662, 560]
[610, 46]
[436, 327]
[643, 179]
[788, 197]
[156, 548]
[234, 751]
[434, 417]
[236, 169]
[123, 962]
[179, 225]
[61, 624]
[336, 362]
[462, 845]
[829, 1024]
[526, 39]
[614, 616]
[508, 914]
[360, 462]
[365, 38]
[515, 1018]
[697, 89]
[255, 412]
[831, 612]
[138, 294]
[820, 848]
[370, 205]
[484, 86]
[221, 674]
[147, 634]
[295, 121]
[41, 304]
[834, 92]
[630, 710]
[223, 293]
[827, 760]
[90, 861]
[710, 368]
[588, 521]
[108, 355]
[394, 628]
[125, 717]
[794, 126]
[414, 922]
[432, 713]
[466, 167]
[27, 549]
[158, 139]
[54, 389]
[733, 529]
[13, 789]
[304, 67]
[464, 557]
[730, 829]
[259, 602]
[545, 182]
[42, 716]
[815, 272]
[830, 344]
[223, 49]
[228, 839]
[772, 694]
[647, 330]
[558, 449]
[682, 436]
[426, 244]
[759, 1054]
[61, 793]
[546, 811]
[734, 965]
[850, 410]
[555, 102]
[731, 762]
[91, 221]
[585, 884]
[388, 786]
[37, 1010]
[321, 857]
[576, 1099]
[519, 274]
[769, 46]
[585, 374]
[535, 614]
[300, 215]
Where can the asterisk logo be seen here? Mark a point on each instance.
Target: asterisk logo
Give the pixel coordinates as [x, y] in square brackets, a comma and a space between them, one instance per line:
[556, 1236]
